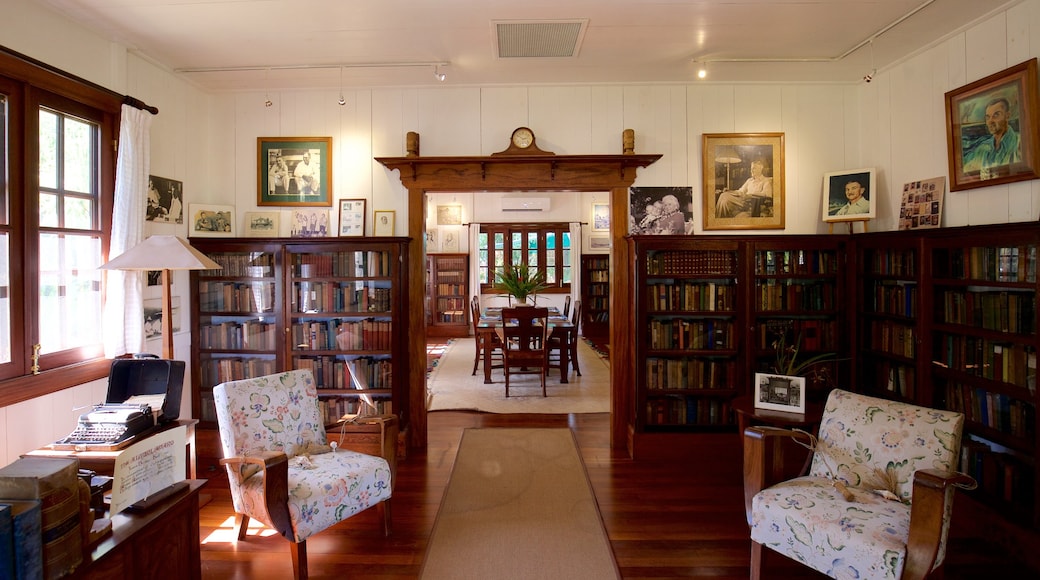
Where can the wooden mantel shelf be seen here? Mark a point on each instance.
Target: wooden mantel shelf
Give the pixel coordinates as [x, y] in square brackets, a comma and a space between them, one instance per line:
[516, 171]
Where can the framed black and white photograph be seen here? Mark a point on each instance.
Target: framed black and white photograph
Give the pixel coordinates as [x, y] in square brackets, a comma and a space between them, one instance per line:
[165, 200]
[352, 217]
[310, 223]
[262, 224]
[743, 181]
[433, 243]
[660, 211]
[850, 195]
[384, 222]
[780, 393]
[211, 221]
[294, 171]
[153, 316]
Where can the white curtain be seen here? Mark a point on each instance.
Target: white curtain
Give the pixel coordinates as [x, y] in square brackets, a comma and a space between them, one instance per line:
[474, 253]
[575, 262]
[122, 322]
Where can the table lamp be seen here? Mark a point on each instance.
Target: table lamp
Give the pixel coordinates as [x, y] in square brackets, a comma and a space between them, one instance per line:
[164, 253]
[728, 155]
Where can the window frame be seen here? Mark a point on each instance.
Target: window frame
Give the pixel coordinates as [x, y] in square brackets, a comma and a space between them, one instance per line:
[29, 85]
[560, 229]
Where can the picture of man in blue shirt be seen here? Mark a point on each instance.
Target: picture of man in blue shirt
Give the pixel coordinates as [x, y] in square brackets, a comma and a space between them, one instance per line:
[1000, 148]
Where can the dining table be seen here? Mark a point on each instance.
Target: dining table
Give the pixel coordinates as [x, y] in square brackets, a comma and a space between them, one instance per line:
[559, 325]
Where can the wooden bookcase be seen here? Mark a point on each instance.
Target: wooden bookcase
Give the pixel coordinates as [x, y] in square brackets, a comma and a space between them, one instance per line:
[447, 295]
[322, 304]
[687, 316]
[595, 297]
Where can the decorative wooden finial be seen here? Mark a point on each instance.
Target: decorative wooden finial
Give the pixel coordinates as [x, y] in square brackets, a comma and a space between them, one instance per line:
[628, 142]
[411, 144]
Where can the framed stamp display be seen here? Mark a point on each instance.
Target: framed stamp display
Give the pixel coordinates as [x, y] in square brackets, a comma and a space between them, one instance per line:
[352, 217]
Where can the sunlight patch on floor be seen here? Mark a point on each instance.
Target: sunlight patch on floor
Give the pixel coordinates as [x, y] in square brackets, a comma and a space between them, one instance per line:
[227, 533]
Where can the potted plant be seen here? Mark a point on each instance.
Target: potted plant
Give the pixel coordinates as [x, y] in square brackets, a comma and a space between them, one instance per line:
[520, 281]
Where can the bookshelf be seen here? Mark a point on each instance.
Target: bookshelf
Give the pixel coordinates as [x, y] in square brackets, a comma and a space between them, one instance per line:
[447, 295]
[595, 297]
[323, 304]
[983, 342]
[687, 314]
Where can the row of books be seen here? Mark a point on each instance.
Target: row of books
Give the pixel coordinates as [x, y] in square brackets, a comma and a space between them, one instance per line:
[598, 263]
[773, 295]
[332, 409]
[996, 264]
[457, 264]
[234, 335]
[898, 379]
[349, 264]
[598, 303]
[599, 276]
[693, 262]
[218, 370]
[686, 334]
[241, 297]
[892, 337]
[252, 264]
[679, 410]
[338, 334]
[997, 411]
[892, 262]
[688, 373]
[896, 298]
[331, 372]
[691, 296]
[445, 288]
[451, 304]
[994, 310]
[339, 297]
[999, 475]
[452, 316]
[809, 334]
[998, 361]
[773, 262]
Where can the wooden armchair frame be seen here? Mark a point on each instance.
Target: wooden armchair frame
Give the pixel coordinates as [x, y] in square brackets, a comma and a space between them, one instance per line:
[764, 467]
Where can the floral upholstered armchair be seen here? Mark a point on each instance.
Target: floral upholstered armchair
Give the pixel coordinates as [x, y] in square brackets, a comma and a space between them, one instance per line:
[878, 497]
[282, 471]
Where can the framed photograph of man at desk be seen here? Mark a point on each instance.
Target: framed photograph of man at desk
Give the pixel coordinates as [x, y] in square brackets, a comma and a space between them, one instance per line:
[743, 181]
[991, 129]
[294, 171]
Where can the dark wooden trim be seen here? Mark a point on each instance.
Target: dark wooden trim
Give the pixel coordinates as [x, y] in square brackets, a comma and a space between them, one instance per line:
[28, 387]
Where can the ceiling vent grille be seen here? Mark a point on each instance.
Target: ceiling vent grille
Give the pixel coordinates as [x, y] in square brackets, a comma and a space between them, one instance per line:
[538, 38]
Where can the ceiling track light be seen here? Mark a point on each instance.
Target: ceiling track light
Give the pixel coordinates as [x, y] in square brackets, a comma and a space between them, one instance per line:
[341, 101]
[437, 74]
[873, 69]
[702, 70]
[267, 98]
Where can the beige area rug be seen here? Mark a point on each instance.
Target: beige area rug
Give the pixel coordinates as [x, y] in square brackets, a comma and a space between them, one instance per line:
[518, 506]
[452, 387]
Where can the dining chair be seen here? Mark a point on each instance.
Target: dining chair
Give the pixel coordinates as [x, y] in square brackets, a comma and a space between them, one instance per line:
[484, 340]
[567, 305]
[558, 342]
[524, 332]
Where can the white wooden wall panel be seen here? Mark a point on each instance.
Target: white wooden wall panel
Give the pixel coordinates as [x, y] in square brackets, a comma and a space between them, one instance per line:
[563, 116]
[607, 121]
[449, 121]
[816, 144]
[503, 109]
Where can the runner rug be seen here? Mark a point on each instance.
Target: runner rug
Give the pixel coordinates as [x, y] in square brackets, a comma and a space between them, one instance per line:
[452, 386]
[518, 506]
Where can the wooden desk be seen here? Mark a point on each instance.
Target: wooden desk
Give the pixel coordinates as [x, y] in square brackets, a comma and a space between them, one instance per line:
[558, 326]
[103, 462]
[160, 543]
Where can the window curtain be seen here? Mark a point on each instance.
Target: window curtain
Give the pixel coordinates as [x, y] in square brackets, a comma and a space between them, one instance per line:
[474, 255]
[575, 262]
[123, 317]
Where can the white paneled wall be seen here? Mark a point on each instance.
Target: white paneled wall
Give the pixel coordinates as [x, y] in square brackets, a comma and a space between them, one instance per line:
[895, 124]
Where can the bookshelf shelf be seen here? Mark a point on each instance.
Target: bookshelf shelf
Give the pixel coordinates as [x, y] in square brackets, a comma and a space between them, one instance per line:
[447, 295]
[595, 297]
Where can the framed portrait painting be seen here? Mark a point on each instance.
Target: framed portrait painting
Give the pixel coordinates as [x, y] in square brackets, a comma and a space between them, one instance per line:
[351, 217]
[850, 195]
[213, 221]
[991, 129]
[780, 393]
[294, 171]
[743, 181]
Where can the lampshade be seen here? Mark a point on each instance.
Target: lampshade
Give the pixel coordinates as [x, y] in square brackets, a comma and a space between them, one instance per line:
[162, 253]
[726, 154]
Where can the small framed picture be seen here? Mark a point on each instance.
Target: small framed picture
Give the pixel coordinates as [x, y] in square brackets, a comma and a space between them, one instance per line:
[849, 195]
[352, 217]
[450, 244]
[599, 242]
[165, 200]
[212, 221]
[262, 224]
[922, 204]
[601, 217]
[780, 393]
[384, 222]
[310, 223]
[449, 215]
[433, 243]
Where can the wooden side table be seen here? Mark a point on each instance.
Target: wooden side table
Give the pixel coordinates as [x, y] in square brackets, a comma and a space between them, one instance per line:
[748, 415]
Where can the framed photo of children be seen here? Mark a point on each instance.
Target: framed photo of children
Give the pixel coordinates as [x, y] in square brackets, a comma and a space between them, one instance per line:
[991, 129]
[849, 195]
[743, 181]
[294, 171]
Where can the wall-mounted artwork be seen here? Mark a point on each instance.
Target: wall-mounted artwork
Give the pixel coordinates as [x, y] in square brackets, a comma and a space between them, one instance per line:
[294, 171]
[385, 219]
[262, 224]
[153, 316]
[660, 210]
[922, 204]
[601, 217]
[849, 195]
[449, 214]
[211, 220]
[743, 181]
[310, 223]
[165, 200]
[352, 217]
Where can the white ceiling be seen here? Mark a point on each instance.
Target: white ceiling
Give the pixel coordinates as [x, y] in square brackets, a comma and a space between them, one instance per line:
[625, 41]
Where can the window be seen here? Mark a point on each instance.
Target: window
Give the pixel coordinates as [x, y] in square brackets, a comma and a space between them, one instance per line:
[546, 247]
[56, 185]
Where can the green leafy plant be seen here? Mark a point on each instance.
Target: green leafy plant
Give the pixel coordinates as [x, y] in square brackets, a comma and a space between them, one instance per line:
[520, 281]
[788, 363]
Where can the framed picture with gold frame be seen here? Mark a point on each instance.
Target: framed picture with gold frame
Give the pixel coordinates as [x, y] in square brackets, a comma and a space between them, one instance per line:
[743, 181]
[384, 222]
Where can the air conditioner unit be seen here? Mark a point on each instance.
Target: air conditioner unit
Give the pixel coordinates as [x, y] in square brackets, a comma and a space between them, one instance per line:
[525, 204]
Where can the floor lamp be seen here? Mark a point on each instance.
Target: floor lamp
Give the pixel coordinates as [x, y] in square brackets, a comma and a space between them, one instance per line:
[727, 155]
[164, 253]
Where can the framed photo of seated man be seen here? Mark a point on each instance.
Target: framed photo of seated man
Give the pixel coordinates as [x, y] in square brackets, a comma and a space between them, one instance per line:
[743, 181]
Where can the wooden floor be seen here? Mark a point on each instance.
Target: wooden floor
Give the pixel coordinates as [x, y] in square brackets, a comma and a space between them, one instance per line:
[665, 519]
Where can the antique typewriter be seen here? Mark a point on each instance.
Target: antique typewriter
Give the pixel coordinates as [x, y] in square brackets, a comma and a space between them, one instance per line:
[108, 425]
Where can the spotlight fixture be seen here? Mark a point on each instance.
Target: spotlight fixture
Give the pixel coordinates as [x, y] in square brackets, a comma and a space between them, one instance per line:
[873, 69]
[267, 83]
[268, 103]
[702, 69]
[437, 74]
[341, 101]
